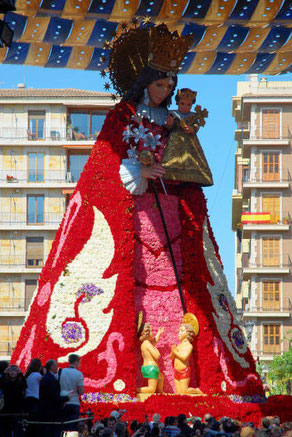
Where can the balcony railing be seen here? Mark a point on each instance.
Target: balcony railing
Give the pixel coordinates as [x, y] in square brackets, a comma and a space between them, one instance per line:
[52, 134]
[276, 262]
[258, 174]
[273, 352]
[12, 261]
[30, 219]
[272, 308]
[6, 348]
[14, 176]
[282, 134]
[14, 304]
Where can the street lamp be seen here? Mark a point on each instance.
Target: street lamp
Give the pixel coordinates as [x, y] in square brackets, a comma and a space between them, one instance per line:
[248, 329]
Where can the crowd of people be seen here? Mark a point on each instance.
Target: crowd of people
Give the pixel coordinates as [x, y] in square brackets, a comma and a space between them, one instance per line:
[41, 394]
[52, 395]
[181, 426]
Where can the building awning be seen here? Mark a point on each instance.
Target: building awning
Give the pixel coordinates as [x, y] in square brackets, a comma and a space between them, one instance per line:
[230, 37]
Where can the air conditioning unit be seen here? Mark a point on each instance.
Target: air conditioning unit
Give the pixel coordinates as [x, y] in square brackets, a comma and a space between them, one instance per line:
[68, 176]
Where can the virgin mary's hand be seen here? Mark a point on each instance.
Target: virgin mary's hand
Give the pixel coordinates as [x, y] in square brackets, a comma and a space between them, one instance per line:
[152, 171]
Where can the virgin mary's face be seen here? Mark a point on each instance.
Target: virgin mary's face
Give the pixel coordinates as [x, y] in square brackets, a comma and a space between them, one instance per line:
[158, 91]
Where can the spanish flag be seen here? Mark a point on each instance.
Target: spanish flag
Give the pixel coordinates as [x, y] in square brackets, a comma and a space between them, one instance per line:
[255, 217]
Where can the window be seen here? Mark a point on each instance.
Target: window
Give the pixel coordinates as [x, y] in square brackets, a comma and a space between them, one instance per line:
[85, 124]
[76, 161]
[270, 166]
[34, 251]
[271, 339]
[271, 204]
[271, 123]
[35, 209]
[36, 125]
[271, 295]
[271, 252]
[30, 286]
[36, 167]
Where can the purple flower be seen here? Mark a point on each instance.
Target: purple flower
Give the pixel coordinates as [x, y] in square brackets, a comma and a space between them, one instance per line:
[72, 332]
[88, 291]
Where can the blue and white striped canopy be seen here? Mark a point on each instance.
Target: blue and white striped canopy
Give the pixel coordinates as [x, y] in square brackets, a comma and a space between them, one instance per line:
[230, 36]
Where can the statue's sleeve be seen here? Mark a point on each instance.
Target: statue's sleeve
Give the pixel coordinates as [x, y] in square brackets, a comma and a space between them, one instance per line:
[115, 124]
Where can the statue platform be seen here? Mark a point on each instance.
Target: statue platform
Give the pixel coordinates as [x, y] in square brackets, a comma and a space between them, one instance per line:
[252, 410]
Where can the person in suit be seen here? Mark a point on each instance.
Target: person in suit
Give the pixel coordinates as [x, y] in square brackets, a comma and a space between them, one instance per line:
[51, 401]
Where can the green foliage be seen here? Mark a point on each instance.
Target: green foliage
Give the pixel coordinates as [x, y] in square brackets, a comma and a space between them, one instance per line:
[281, 367]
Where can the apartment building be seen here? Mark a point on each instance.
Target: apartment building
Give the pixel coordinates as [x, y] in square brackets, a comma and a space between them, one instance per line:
[261, 213]
[46, 136]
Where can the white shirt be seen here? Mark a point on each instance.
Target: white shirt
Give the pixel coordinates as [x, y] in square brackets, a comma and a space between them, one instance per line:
[33, 385]
[72, 379]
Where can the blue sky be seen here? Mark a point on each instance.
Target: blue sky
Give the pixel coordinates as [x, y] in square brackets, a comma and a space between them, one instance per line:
[217, 137]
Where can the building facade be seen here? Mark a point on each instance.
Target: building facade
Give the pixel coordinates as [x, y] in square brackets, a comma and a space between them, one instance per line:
[261, 213]
[46, 136]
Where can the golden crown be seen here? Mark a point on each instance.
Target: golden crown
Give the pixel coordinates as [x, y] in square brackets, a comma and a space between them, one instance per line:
[139, 46]
[167, 50]
[186, 93]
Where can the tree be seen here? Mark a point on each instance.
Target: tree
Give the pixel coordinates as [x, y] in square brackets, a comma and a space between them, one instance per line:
[280, 372]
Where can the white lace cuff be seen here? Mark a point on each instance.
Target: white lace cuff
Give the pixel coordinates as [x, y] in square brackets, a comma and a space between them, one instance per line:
[130, 172]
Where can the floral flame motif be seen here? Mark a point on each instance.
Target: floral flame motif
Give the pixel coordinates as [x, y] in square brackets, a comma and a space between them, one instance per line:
[84, 278]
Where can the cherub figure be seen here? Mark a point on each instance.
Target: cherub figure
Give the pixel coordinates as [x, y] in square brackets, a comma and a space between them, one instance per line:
[151, 355]
[183, 158]
[180, 355]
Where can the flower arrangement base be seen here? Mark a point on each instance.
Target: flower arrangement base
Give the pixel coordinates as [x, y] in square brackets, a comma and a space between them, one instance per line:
[141, 397]
[172, 405]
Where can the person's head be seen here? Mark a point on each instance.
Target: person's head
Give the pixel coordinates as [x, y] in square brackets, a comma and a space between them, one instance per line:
[74, 361]
[145, 332]
[13, 372]
[266, 422]
[181, 418]
[156, 418]
[276, 421]
[134, 425]
[186, 331]
[52, 366]
[247, 431]
[208, 417]
[172, 421]
[34, 366]
[158, 84]
[111, 423]
[185, 98]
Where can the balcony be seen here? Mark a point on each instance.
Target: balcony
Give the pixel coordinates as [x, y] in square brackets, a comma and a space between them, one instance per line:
[259, 139]
[255, 177]
[13, 306]
[266, 266]
[13, 178]
[242, 131]
[23, 221]
[266, 355]
[6, 349]
[11, 263]
[265, 221]
[273, 311]
[52, 136]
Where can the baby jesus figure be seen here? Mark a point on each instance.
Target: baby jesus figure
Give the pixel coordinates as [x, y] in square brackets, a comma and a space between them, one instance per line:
[150, 368]
[181, 355]
[183, 158]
